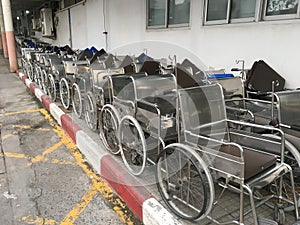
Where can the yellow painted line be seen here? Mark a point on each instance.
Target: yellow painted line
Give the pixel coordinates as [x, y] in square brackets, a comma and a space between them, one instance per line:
[20, 112]
[7, 136]
[23, 156]
[62, 162]
[20, 128]
[38, 221]
[80, 207]
[97, 181]
[15, 155]
[40, 157]
[43, 129]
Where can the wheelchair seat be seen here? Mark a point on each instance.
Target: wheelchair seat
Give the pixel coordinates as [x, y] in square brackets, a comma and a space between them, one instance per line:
[255, 162]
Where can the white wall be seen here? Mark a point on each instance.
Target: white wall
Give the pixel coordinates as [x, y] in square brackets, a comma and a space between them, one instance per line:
[217, 46]
[62, 29]
[86, 26]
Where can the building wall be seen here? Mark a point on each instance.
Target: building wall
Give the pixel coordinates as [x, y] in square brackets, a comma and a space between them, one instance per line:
[216, 46]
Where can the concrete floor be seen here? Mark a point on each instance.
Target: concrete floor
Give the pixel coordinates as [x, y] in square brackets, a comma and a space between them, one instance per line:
[43, 177]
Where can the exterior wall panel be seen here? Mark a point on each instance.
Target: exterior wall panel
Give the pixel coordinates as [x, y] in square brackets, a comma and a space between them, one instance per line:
[217, 46]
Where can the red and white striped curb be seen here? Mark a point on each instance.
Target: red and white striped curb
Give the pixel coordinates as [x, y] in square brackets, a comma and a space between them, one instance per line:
[137, 197]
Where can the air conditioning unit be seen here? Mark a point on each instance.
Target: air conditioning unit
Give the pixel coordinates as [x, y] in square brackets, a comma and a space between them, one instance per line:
[47, 22]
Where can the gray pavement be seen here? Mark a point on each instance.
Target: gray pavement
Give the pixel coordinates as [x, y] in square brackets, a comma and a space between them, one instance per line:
[43, 178]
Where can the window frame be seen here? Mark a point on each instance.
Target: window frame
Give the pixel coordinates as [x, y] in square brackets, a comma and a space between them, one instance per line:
[228, 19]
[260, 14]
[166, 24]
[279, 17]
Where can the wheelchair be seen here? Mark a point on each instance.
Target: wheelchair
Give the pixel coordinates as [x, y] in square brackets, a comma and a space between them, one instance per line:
[139, 119]
[210, 151]
[268, 107]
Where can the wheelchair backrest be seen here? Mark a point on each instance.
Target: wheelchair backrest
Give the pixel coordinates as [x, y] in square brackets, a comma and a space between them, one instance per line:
[150, 67]
[203, 110]
[233, 87]
[122, 87]
[154, 85]
[193, 68]
[289, 107]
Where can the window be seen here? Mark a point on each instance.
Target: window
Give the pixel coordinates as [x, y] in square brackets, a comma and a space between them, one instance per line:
[168, 13]
[281, 9]
[225, 11]
[243, 9]
[229, 11]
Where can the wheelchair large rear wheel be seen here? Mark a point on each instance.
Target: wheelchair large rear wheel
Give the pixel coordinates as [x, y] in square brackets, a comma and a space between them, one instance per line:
[109, 121]
[51, 88]
[24, 67]
[132, 145]
[184, 182]
[30, 72]
[77, 101]
[91, 111]
[64, 92]
[37, 75]
[44, 81]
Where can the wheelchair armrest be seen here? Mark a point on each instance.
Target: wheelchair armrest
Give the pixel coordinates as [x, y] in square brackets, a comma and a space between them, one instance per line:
[239, 110]
[252, 125]
[206, 125]
[248, 100]
[217, 142]
[270, 128]
[151, 107]
[240, 113]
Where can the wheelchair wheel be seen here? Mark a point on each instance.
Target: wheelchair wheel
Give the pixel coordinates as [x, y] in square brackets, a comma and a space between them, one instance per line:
[184, 182]
[91, 111]
[109, 121]
[23, 64]
[51, 89]
[132, 145]
[77, 100]
[24, 67]
[30, 72]
[279, 215]
[292, 158]
[64, 92]
[37, 76]
[44, 79]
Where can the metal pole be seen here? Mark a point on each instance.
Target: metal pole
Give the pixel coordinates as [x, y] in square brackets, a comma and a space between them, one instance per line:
[10, 37]
[2, 33]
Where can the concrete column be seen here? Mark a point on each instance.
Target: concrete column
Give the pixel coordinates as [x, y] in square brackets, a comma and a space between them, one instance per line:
[2, 33]
[10, 37]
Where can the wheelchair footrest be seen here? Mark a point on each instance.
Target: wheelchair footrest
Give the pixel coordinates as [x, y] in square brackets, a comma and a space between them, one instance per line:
[265, 221]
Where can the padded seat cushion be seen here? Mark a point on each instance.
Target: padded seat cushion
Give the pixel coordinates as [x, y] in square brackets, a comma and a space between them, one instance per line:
[255, 162]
